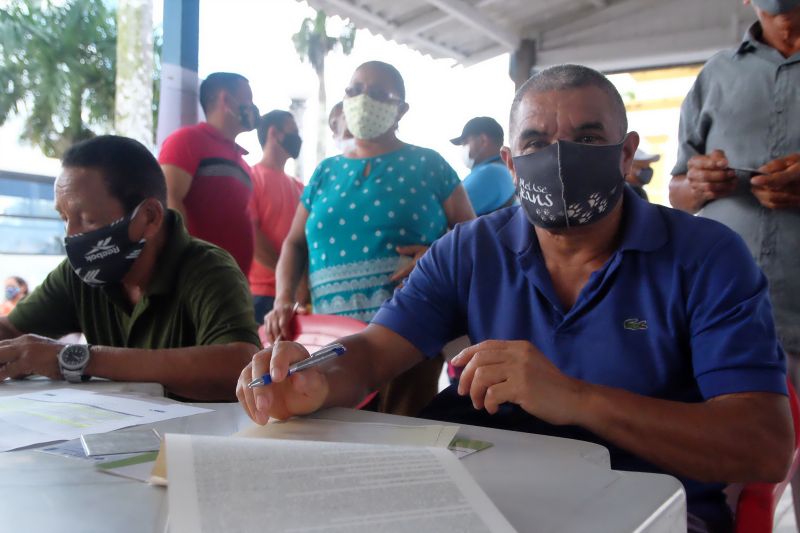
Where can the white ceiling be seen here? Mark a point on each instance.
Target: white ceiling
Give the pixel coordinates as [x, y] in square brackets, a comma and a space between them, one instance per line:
[610, 35]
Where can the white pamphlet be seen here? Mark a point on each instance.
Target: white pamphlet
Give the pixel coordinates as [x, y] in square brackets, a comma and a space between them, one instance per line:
[304, 428]
[63, 414]
[230, 484]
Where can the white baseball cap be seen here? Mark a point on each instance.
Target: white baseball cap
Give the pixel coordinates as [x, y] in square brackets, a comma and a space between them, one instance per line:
[641, 155]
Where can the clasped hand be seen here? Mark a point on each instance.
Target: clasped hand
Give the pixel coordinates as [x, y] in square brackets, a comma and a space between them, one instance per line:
[496, 372]
[777, 187]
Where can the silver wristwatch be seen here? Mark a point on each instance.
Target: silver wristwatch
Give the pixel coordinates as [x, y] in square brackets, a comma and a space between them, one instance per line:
[72, 360]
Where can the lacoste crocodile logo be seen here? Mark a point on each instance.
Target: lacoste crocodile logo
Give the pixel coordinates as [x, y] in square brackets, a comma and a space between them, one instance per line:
[634, 324]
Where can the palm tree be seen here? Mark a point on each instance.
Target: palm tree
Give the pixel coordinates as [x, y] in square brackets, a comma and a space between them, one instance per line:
[133, 115]
[313, 43]
[58, 61]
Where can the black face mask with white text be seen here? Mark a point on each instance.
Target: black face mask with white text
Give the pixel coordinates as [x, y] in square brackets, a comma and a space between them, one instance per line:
[569, 184]
[104, 255]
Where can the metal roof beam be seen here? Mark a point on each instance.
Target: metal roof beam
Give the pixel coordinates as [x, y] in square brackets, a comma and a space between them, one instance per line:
[468, 14]
[347, 9]
[430, 20]
[483, 55]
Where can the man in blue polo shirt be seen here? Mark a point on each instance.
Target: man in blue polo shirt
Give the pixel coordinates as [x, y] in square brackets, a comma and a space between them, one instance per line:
[593, 315]
[489, 184]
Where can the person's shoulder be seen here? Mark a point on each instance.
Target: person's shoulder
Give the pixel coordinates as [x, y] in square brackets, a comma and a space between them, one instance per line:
[486, 225]
[203, 262]
[720, 67]
[422, 154]
[492, 170]
[331, 163]
[183, 134]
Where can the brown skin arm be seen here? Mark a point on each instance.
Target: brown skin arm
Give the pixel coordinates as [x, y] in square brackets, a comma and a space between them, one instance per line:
[290, 270]
[731, 438]
[457, 207]
[205, 373]
[373, 357]
[736, 438]
[178, 184]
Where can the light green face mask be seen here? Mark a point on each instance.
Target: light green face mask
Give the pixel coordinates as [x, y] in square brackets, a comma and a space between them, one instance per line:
[368, 118]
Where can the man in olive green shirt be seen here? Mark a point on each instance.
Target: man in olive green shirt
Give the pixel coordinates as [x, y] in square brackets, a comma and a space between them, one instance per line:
[155, 304]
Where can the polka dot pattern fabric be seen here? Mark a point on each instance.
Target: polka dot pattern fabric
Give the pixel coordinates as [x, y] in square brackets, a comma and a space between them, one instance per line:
[368, 118]
[360, 210]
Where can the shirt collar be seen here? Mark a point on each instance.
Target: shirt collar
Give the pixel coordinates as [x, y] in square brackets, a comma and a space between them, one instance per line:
[169, 259]
[217, 135]
[643, 228]
[750, 40]
[751, 43]
[493, 159]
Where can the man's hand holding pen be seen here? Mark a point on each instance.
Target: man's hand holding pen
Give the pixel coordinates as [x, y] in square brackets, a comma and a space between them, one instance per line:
[300, 393]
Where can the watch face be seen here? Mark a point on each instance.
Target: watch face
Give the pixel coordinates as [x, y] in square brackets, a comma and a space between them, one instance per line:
[73, 356]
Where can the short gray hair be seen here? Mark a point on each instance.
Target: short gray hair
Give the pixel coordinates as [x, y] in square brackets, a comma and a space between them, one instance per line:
[562, 77]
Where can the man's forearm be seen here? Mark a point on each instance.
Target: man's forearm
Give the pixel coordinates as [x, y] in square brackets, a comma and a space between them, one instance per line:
[205, 373]
[734, 438]
[290, 269]
[372, 359]
[681, 196]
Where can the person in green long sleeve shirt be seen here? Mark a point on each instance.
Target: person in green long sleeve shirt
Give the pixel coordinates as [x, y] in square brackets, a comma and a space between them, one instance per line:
[154, 304]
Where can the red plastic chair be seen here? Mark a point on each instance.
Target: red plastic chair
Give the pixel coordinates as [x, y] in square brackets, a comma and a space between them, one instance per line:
[316, 331]
[755, 508]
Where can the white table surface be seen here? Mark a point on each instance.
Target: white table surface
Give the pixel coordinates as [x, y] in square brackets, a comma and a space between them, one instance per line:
[541, 484]
[11, 387]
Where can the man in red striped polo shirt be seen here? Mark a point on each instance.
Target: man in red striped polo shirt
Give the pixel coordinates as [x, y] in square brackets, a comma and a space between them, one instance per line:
[207, 179]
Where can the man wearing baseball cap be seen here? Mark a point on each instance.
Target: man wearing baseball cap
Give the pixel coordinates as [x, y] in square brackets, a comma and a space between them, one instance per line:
[739, 154]
[641, 172]
[489, 184]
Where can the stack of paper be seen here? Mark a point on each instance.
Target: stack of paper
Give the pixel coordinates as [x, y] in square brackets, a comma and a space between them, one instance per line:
[64, 414]
[228, 484]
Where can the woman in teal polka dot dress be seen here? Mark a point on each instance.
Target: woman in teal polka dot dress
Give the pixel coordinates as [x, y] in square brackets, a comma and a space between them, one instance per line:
[367, 215]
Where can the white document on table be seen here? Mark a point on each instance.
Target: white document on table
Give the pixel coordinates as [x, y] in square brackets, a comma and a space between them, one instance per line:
[64, 414]
[229, 484]
[436, 435]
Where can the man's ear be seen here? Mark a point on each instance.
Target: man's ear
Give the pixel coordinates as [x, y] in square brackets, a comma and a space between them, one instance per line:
[150, 218]
[505, 155]
[272, 132]
[629, 146]
[402, 109]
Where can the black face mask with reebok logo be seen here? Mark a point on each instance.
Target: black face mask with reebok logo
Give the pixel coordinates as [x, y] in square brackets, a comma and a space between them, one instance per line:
[569, 184]
[103, 255]
[292, 143]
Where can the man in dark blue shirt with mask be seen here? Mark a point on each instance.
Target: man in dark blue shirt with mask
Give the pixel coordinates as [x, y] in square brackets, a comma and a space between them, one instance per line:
[593, 314]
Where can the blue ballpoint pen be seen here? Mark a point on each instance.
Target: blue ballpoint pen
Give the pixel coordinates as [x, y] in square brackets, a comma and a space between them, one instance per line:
[316, 358]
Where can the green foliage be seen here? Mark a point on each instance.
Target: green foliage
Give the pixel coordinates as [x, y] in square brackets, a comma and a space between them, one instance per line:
[313, 43]
[57, 61]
